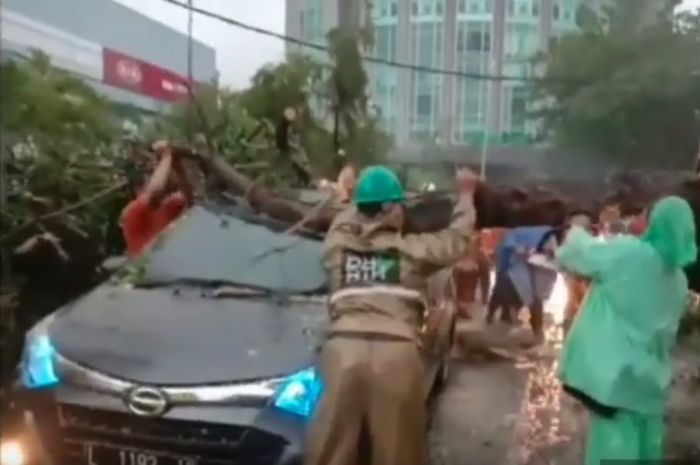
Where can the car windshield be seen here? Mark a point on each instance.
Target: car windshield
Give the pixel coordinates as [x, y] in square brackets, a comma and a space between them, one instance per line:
[221, 246]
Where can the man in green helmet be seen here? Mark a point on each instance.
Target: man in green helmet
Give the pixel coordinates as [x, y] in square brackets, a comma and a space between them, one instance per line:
[371, 362]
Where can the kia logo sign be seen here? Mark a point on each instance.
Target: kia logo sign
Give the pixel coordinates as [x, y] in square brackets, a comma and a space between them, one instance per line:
[174, 87]
[129, 71]
[136, 75]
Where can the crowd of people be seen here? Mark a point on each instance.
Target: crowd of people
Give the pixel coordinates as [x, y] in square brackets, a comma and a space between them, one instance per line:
[627, 295]
[518, 282]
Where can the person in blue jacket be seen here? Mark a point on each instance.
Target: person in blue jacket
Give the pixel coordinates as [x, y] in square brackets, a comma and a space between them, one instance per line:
[532, 284]
[504, 296]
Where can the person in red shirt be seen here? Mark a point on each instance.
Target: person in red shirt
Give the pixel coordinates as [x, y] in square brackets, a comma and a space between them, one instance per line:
[167, 194]
[638, 224]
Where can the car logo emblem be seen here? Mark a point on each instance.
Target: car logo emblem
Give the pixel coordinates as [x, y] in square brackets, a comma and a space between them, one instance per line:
[147, 401]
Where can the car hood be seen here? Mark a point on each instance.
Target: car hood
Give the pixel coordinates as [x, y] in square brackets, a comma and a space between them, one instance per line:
[169, 336]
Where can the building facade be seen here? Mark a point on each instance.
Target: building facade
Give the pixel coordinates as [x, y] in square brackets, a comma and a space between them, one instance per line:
[125, 55]
[482, 37]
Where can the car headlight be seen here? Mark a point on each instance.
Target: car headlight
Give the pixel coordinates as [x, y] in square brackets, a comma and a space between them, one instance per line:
[38, 364]
[12, 453]
[300, 392]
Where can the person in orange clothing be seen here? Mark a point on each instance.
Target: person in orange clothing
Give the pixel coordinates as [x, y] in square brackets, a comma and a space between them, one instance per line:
[577, 287]
[345, 184]
[465, 275]
[166, 195]
[469, 274]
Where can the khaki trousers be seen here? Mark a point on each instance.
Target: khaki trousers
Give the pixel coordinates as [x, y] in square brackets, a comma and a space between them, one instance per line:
[373, 409]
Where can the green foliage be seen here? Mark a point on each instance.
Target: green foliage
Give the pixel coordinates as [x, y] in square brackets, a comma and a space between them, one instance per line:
[220, 112]
[60, 137]
[243, 123]
[59, 146]
[293, 84]
[63, 138]
[276, 87]
[630, 89]
[355, 130]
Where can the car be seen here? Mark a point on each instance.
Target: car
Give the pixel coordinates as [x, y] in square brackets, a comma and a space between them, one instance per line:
[202, 351]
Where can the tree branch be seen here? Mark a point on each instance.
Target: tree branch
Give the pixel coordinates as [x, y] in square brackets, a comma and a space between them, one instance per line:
[93, 198]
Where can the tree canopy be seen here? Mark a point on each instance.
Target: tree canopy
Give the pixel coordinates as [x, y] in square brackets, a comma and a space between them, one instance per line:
[330, 103]
[59, 144]
[64, 141]
[626, 87]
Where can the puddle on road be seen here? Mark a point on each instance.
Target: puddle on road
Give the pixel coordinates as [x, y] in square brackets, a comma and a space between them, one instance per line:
[546, 427]
[534, 421]
[539, 429]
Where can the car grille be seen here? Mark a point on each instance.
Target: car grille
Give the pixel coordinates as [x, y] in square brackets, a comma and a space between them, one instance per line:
[211, 444]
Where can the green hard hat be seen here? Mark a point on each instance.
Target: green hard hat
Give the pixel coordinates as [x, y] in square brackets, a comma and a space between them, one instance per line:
[378, 184]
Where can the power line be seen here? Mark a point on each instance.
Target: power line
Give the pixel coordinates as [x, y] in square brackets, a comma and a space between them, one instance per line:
[370, 59]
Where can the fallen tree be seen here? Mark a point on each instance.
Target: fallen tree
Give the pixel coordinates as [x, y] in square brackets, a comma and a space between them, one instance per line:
[497, 206]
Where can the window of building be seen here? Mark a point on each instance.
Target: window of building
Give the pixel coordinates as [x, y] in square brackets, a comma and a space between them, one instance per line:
[414, 8]
[511, 7]
[523, 9]
[382, 41]
[555, 11]
[554, 42]
[536, 8]
[421, 135]
[474, 42]
[568, 14]
[438, 8]
[474, 6]
[478, 41]
[394, 9]
[488, 6]
[518, 108]
[426, 8]
[301, 24]
[385, 41]
[462, 6]
[460, 39]
[473, 99]
[425, 44]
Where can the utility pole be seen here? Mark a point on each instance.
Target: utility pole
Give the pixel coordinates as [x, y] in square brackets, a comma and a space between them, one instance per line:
[190, 108]
[487, 123]
[5, 273]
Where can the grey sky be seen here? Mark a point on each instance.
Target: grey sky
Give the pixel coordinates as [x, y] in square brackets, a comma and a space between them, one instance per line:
[239, 53]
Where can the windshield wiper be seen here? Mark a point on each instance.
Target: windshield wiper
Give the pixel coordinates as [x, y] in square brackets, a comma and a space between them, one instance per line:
[238, 291]
[224, 288]
[214, 285]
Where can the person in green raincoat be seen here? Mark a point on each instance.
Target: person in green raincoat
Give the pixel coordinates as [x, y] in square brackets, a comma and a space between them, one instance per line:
[617, 359]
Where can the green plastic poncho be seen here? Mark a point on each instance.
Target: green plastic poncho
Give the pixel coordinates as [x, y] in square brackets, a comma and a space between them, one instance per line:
[619, 349]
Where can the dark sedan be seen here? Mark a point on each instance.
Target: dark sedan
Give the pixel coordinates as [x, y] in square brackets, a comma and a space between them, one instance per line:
[200, 352]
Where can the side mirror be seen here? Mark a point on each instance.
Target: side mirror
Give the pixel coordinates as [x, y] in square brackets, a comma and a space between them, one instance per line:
[112, 264]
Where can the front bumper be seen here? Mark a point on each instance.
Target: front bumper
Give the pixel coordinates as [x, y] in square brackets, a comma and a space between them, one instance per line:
[63, 425]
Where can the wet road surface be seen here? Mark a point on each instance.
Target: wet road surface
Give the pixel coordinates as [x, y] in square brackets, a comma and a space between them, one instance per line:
[514, 412]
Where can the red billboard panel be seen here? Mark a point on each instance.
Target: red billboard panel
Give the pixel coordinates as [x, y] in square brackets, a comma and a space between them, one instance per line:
[136, 75]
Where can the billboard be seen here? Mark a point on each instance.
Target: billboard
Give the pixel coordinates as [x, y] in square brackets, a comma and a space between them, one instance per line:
[132, 74]
[24, 35]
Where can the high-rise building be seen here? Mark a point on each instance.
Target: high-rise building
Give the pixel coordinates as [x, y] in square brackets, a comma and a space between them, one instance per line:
[483, 37]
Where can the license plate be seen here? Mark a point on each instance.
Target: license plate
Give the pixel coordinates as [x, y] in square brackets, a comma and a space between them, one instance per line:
[98, 455]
